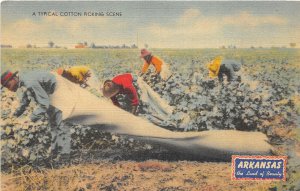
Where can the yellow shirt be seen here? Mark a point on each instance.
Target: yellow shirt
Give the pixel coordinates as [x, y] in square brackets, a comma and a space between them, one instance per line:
[79, 72]
[156, 62]
[214, 67]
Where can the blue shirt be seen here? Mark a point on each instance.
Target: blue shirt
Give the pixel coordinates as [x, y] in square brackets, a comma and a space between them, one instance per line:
[38, 84]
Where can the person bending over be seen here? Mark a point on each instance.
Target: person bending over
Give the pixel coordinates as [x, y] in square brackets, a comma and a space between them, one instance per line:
[121, 84]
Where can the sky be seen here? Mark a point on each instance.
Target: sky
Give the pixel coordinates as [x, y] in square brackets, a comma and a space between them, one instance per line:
[159, 24]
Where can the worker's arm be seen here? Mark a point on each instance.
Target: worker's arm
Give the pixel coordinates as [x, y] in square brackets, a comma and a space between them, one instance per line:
[25, 101]
[230, 73]
[134, 99]
[220, 76]
[134, 109]
[145, 68]
[86, 75]
[115, 101]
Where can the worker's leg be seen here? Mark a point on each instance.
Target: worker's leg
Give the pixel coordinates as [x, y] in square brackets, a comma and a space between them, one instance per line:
[54, 127]
[61, 136]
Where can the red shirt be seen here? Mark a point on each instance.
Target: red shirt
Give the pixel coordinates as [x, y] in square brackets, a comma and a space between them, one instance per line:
[125, 82]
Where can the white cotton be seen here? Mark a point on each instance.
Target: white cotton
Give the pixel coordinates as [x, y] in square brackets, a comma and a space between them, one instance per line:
[153, 99]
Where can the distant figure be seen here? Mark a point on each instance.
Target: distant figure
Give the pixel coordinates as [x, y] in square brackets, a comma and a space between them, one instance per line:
[219, 67]
[121, 84]
[161, 68]
[39, 85]
[76, 74]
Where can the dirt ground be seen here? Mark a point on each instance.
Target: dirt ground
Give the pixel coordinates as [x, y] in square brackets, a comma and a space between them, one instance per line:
[129, 175]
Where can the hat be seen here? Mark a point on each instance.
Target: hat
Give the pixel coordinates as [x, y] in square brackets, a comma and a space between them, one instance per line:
[109, 90]
[214, 67]
[6, 76]
[144, 52]
[60, 71]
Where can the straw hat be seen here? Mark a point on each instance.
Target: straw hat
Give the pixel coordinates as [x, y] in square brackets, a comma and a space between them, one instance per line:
[144, 52]
[110, 89]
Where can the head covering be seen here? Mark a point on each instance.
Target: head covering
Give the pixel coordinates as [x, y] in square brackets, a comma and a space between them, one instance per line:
[60, 71]
[109, 91]
[6, 76]
[145, 52]
[214, 67]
